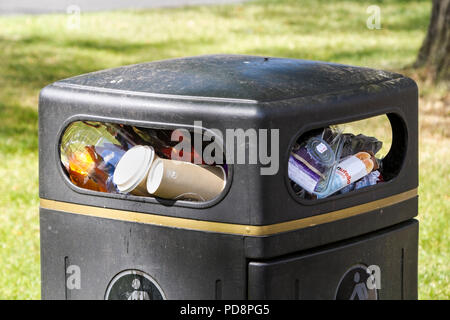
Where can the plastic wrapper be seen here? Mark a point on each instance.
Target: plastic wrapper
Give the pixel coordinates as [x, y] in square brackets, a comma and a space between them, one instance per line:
[313, 161]
[326, 161]
[371, 179]
[359, 143]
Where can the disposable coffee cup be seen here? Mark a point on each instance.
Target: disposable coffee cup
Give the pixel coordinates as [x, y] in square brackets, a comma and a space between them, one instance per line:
[131, 172]
[175, 180]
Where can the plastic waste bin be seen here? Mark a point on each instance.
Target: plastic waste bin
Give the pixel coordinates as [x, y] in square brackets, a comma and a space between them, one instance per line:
[250, 229]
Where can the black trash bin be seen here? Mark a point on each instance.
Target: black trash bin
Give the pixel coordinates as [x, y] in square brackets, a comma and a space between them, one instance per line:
[259, 238]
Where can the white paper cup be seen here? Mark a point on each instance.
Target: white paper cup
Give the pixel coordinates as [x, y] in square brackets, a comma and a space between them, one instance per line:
[131, 172]
[173, 179]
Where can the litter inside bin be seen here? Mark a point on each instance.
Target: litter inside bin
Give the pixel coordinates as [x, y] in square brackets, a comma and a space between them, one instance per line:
[327, 161]
[348, 171]
[90, 151]
[132, 170]
[172, 179]
[314, 159]
[118, 158]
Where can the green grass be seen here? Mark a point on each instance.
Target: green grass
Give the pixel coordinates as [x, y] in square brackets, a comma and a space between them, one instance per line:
[37, 50]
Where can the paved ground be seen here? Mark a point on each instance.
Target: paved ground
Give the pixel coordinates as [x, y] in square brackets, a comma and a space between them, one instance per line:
[58, 6]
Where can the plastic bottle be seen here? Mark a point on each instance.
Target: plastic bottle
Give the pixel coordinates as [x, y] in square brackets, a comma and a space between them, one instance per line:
[349, 170]
[90, 152]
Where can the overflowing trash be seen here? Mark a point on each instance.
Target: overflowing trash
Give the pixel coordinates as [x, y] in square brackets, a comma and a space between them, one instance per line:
[326, 162]
[116, 158]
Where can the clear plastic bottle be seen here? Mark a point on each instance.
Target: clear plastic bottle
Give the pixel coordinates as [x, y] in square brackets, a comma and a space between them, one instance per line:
[348, 171]
[313, 160]
[90, 152]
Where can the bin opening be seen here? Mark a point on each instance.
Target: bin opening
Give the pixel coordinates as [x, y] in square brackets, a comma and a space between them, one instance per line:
[347, 157]
[149, 162]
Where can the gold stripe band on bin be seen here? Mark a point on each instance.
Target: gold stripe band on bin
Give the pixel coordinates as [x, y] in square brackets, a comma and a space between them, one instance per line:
[220, 227]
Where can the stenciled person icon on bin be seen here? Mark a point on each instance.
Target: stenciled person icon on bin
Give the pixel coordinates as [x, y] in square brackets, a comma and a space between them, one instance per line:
[138, 294]
[360, 289]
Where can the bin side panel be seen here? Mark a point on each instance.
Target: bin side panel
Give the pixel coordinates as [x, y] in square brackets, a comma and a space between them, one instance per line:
[322, 234]
[398, 97]
[184, 264]
[331, 272]
[59, 106]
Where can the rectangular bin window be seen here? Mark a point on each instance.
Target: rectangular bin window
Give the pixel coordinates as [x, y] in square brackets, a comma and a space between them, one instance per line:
[147, 162]
[343, 158]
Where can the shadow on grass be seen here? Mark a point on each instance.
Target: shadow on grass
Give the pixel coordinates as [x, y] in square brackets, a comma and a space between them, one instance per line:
[18, 130]
[81, 43]
[34, 62]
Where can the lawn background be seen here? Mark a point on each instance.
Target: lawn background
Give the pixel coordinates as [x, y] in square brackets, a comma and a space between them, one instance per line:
[37, 50]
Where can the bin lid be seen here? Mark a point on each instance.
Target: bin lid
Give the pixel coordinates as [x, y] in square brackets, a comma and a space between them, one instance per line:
[246, 77]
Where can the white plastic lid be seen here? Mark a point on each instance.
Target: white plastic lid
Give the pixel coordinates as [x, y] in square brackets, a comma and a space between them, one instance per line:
[155, 176]
[133, 167]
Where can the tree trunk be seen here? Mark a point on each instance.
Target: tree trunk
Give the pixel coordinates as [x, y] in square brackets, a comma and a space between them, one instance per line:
[435, 51]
